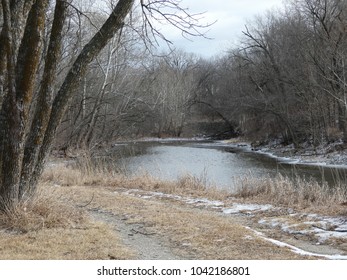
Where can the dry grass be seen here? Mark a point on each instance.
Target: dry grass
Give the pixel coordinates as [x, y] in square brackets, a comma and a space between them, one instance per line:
[186, 186]
[86, 175]
[92, 241]
[296, 193]
[50, 227]
[192, 233]
[280, 191]
[43, 212]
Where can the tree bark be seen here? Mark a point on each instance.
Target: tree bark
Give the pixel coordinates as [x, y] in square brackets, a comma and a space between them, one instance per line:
[9, 136]
[65, 93]
[21, 81]
[22, 156]
[45, 99]
[86, 138]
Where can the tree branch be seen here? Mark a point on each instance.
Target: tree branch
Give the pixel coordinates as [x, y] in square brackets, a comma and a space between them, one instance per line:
[65, 93]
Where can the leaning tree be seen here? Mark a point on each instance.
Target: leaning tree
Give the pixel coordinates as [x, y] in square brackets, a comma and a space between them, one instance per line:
[31, 106]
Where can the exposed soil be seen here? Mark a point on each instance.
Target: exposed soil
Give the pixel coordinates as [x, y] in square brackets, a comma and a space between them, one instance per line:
[145, 243]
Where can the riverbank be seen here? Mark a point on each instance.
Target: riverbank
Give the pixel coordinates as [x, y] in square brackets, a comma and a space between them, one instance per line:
[329, 155]
[116, 217]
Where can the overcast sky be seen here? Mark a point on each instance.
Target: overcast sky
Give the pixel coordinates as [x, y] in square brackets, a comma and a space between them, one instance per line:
[231, 16]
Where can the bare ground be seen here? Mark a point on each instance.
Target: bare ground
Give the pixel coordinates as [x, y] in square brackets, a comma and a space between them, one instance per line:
[145, 244]
[156, 227]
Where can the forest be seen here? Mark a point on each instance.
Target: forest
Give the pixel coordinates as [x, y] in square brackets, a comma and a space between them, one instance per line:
[73, 75]
[286, 80]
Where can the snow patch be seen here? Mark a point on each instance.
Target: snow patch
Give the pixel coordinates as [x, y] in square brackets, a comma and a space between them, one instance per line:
[296, 249]
[324, 228]
[204, 201]
[248, 208]
[194, 201]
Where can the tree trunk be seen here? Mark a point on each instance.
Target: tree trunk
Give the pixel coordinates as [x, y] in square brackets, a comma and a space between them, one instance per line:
[86, 137]
[65, 93]
[21, 81]
[22, 156]
[45, 98]
[343, 121]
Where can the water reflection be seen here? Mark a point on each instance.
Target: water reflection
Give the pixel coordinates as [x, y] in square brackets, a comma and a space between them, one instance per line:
[219, 165]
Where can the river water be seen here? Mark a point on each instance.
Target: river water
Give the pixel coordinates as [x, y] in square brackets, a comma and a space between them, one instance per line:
[214, 163]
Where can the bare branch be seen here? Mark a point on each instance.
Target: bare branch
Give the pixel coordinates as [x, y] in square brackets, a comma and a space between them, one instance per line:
[171, 13]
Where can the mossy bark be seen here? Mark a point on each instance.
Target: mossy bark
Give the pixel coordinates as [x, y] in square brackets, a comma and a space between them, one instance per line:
[25, 143]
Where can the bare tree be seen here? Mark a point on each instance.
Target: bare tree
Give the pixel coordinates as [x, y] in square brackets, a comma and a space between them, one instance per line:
[170, 91]
[288, 77]
[25, 142]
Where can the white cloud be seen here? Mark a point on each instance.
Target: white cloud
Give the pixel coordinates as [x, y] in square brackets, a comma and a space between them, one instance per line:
[231, 17]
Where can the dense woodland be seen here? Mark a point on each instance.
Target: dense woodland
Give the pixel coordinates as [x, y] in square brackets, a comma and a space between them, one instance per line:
[72, 74]
[285, 80]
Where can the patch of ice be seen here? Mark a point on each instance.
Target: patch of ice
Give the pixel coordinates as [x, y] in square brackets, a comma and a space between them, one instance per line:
[204, 201]
[248, 237]
[273, 222]
[326, 235]
[164, 195]
[340, 223]
[341, 228]
[148, 194]
[248, 208]
[330, 228]
[194, 201]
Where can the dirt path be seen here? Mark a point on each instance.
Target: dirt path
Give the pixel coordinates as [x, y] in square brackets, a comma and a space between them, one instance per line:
[159, 226]
[144, 243]
[296, 240]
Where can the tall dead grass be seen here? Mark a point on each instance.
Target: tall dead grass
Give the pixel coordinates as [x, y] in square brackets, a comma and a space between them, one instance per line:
[83, 171]
[44, 211]
[87, 172]
[291, 192]
[279, 190]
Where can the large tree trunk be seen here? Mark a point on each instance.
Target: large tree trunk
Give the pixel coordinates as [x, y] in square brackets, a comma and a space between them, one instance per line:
[16, 103]
[22, 156]
[45, 99]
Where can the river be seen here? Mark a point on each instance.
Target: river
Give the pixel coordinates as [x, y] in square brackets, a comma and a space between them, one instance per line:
[214, 163]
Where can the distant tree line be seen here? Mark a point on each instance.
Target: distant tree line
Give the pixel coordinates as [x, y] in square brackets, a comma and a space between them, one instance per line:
[285, 80]
[288, 78]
